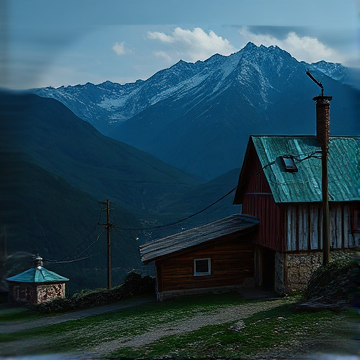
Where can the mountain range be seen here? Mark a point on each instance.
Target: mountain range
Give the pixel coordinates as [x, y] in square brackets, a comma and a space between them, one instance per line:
[198, 116]
[161, 150]
[56, 170]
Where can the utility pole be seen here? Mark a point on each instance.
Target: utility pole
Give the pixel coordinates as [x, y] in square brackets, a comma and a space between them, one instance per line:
[108, 226]
[322, 134]
[323, 118]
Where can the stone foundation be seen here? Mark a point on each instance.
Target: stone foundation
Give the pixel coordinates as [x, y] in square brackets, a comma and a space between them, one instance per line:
[25, 293]
[49, 292]
[299, 268]
[293, 271]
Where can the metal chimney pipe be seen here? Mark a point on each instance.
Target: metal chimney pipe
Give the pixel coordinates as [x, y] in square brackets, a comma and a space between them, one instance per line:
[38, 261]
[323, 120]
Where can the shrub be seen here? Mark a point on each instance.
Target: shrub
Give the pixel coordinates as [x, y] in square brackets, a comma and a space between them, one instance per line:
[332, 286]
[134, 285]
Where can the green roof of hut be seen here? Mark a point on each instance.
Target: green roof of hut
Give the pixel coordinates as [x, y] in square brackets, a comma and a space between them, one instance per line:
[38, 274]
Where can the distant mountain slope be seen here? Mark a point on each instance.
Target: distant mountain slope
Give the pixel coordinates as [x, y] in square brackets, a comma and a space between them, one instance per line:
[53, 219]
[335, 71]
[198, 116]
[63, 144]
[205, 194]
[207, 201]
[264, 91]
[109, 104]
[55, 168]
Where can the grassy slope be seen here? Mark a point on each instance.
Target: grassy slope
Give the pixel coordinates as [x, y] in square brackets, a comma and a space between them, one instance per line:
[53, 219]
[61, 143]
[269, 332]
[55, 169]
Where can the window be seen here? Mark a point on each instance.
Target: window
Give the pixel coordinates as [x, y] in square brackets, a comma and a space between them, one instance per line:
[289, 163]
[202, 267]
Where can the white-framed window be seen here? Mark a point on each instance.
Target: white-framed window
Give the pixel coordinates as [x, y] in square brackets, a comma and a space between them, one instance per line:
[202, 267]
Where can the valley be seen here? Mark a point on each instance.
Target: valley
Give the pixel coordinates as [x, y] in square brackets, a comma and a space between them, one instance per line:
[160, 150]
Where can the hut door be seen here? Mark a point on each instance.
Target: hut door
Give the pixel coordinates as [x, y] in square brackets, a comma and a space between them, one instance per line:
[268, 269]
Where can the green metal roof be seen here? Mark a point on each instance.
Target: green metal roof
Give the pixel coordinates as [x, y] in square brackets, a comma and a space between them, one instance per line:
[305, 184]
[37, 275]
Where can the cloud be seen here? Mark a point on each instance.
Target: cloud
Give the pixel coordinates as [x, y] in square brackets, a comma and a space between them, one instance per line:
[191, 45]
[303, 48]
[160, 36]
[163, 54]
[120, 49]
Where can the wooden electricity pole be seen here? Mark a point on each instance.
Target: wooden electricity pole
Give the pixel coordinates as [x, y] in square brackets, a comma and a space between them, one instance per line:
[108, 226]
[323, 122]
[322, 135]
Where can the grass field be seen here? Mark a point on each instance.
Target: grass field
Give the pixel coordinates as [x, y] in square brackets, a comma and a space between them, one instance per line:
[159, 330]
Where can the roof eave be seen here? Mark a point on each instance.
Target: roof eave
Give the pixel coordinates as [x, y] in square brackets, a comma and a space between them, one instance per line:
[226, 237]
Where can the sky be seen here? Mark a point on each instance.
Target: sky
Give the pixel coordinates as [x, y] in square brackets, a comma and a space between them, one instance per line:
[69, 42]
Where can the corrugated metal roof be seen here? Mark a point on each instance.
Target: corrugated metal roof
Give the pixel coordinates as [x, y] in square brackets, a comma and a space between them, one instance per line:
[305, 185]
[37, 275]
[199, 235]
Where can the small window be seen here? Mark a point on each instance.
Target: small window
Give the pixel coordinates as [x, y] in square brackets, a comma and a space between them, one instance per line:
[202, 267]
[289, 163]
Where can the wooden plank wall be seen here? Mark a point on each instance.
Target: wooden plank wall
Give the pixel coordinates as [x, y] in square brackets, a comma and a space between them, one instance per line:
[259, 202]
[304, 227]
[232, 262]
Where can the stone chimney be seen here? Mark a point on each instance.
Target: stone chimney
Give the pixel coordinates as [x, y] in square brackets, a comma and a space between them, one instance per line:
[323, 120]
[38, 261]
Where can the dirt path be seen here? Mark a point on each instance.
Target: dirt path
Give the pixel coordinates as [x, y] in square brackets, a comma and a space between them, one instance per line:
[224, 315]
[15, 326]
[234, 314]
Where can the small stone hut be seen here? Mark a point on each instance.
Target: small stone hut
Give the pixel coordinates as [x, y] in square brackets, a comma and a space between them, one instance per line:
[36, 285]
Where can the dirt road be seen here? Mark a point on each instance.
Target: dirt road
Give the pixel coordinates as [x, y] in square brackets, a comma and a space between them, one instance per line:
[15, 326]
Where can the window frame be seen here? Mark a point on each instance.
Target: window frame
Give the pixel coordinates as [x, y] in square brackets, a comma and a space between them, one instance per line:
[202, 273]
[287, 167]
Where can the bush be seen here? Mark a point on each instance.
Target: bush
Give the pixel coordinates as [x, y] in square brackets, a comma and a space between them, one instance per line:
[134, 285]
[332, 286]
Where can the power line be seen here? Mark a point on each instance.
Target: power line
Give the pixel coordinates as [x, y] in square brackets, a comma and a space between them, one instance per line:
[64, 261]
[83, 242]
[69, 261]
[180, 220]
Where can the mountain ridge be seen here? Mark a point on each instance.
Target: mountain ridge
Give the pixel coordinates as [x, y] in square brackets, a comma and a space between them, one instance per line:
[107, 98]
[198, 116]
[57, 168]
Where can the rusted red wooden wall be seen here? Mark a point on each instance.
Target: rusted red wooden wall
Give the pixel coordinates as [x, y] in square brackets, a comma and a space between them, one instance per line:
[259, 202]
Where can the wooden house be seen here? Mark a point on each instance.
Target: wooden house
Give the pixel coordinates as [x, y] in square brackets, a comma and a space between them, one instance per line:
[215, 256]
[280, 184]
[276, 242]
[36, 285]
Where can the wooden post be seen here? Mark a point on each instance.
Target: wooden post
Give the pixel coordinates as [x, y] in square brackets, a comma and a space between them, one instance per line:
[108, 227]
[322, 134]
[325, 205]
